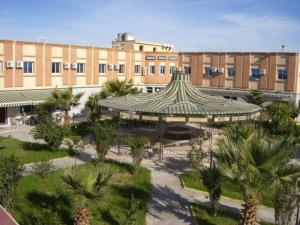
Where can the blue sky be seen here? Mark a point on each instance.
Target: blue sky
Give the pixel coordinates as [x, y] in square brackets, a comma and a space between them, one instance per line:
[191, 25]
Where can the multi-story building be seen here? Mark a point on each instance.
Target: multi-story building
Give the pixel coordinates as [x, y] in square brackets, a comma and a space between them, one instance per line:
[30, 71]
[126, 41]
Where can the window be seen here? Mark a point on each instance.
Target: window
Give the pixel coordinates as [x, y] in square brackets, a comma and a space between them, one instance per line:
[162, 69]
[28, 67]
[208, 71]
[121, 68]
[80, 68]
[152, 69]
[282, 74]
[149, 89]
[172, 69]
[56, 67]
[102, 68]
[231, 72]
[188, 69]
[1, 67]
[255, 73]
[154, 49]
[141, 48]
[137, 69]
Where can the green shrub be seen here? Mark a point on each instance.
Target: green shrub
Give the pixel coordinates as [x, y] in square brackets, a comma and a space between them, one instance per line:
[42, 168]
[52, 133]
[10, 174]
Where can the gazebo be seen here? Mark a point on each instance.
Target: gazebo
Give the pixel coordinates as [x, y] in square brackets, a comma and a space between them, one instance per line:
[180, 102]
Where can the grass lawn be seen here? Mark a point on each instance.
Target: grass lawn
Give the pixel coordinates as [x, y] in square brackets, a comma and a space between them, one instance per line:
[192, 180]
[28, 152]
[35, 193]
[204, 218]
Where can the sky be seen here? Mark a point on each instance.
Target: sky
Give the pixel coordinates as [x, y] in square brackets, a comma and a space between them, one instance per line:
[190, 25]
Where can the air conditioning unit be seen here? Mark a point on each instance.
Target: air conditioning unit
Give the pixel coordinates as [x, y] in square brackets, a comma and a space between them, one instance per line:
[19, 64]
[144, 70]
[221, 70]
[117, 66]
[67, 66]
[263, 71]
[214, 69]
[9, 64]
[110, 66]
[74, 66]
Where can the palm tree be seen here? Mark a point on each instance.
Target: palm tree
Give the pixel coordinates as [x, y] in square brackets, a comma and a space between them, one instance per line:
[92, 105]
[65, 100]
[256, 97]
[251, 163]
[118, 88]
[86, 185]
[103, 137]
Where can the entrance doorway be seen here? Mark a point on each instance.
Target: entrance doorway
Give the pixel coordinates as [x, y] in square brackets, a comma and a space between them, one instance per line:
[2, 115]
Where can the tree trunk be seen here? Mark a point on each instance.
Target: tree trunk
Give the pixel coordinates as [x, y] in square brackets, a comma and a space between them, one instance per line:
[285, 204]
[66, 117]
[249, 212]
[82, 216]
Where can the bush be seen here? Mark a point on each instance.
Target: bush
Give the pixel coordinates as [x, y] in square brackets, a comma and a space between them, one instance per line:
[42, 168]
[47, 217]
[10, 174]
[52, 133]
[103, 137]
[136, 144]
[211, 179]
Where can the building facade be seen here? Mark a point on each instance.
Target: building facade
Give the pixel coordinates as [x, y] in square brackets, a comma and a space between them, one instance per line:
[29, 71]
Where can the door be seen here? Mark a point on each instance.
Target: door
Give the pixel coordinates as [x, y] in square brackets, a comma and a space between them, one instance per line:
[2, 115]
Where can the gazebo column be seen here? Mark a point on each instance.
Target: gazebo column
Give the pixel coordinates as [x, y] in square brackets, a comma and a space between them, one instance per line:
[161, 148]
[119, 131]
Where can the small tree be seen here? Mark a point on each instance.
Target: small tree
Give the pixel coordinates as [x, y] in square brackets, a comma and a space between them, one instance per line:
[50, 132]
[42, 168]
[92, 105]
[10, 174]
[196, 155]
[103, 137]
[136, 144]
[134, 207]
[256, 97]
[211, 179]
[86, 185]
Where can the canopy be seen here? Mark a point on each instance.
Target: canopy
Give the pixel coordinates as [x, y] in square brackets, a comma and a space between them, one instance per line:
[180, 98]
[24, 97]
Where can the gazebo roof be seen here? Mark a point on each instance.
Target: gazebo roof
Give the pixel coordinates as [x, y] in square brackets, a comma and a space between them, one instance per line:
[180, 97]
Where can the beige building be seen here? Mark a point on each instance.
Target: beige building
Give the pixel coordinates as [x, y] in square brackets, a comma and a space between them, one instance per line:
[29, 71]
[126, 41]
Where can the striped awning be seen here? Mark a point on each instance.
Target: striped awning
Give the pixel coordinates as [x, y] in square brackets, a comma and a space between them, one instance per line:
[24, 97]
[228, 91]
[180, 97]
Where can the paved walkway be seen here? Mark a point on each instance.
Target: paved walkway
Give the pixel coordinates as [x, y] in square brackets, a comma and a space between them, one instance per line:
[169, 203]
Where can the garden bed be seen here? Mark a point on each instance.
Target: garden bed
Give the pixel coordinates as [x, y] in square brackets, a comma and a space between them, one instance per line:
[35, 193]
[28, 152]
[203, 217]
[192, 180]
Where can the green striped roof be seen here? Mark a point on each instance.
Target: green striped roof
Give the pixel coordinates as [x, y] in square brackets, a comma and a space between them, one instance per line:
[24, 97]
[180, 97]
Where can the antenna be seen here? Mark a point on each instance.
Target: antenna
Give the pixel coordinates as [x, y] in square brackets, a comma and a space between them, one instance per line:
[282, 47]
